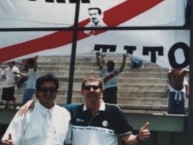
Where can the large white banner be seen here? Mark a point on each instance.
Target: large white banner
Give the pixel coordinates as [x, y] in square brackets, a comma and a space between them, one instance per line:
[155, 46]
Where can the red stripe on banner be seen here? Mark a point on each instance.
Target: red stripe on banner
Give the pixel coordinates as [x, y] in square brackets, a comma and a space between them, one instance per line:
[127, 9]
[43, 43]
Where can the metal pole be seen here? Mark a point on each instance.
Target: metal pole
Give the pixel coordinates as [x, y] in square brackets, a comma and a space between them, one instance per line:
[73, 53]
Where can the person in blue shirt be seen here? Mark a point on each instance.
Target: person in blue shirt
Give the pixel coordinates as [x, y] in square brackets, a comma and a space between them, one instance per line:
[110, 74]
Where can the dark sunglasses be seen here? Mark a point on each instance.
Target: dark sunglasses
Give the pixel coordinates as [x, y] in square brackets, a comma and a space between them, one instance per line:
[46, 90]
[93, 87]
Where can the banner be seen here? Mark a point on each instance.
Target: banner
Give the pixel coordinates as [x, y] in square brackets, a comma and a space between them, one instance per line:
[35, 13]
[61, 13]
[115, 13]
[167, 48]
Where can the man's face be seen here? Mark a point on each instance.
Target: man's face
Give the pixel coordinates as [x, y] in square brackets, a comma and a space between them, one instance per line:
[11, 64]
[110, 67]
[47, 94]
[92, 92]
[94, 16]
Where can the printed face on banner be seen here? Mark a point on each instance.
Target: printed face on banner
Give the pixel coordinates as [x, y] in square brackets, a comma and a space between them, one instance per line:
[115, 13]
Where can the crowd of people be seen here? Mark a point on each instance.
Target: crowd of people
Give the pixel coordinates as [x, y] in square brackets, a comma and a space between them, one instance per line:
[98, 119]
[178, 86]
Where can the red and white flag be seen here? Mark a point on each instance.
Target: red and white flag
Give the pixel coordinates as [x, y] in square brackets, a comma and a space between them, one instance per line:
[52, 13]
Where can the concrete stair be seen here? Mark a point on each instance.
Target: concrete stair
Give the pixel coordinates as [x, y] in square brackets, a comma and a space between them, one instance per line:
[138, 87]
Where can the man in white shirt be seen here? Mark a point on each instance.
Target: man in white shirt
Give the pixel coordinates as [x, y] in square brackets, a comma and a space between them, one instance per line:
[10, 82]
[47, 124]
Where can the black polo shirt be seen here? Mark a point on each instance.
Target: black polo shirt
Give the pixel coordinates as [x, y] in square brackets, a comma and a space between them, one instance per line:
[101, 128]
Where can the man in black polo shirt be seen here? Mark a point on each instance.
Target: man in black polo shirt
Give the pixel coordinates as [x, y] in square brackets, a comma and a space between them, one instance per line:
[95, 122]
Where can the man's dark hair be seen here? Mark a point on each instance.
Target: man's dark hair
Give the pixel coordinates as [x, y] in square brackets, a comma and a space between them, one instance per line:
[110, 63]
[47, 78]
[31, 61]
[12, 62]
[95, 8]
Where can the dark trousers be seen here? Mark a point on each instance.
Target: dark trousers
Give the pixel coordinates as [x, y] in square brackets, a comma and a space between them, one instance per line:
[176, 105]
[110, 95]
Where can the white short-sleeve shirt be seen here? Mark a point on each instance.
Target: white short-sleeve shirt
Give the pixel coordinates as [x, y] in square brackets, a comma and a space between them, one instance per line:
[32, 129]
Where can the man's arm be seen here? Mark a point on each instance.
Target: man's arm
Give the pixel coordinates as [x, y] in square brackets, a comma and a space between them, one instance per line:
[143, 135]
[26, 107]
[15, 130]
[21, 74]
[98, 59]
[187, 90]
[2, 75]
[186, 71]
[123, 62]
[35, 63]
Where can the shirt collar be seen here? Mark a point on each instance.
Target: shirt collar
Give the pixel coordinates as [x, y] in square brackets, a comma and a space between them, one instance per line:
[45, 110]
[101, 108]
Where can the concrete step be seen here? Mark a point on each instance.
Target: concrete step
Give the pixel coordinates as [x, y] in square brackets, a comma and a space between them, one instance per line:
[143, 94]
[83, 74]
[144, 81]
[138, 91]
[93, 67]
[132, 102]
[64, 78]
[126, 95]
[91, 63]
[88, 59]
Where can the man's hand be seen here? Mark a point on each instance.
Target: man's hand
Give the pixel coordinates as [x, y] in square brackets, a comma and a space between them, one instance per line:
[8, 141]
[26, 107]
[144, 133]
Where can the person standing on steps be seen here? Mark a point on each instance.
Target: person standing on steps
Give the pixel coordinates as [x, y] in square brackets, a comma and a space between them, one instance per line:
[31, 76]
[110, 77]
[178, 90]
[9, 84]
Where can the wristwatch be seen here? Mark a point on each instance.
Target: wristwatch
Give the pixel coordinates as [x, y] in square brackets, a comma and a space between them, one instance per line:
[138, 139]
